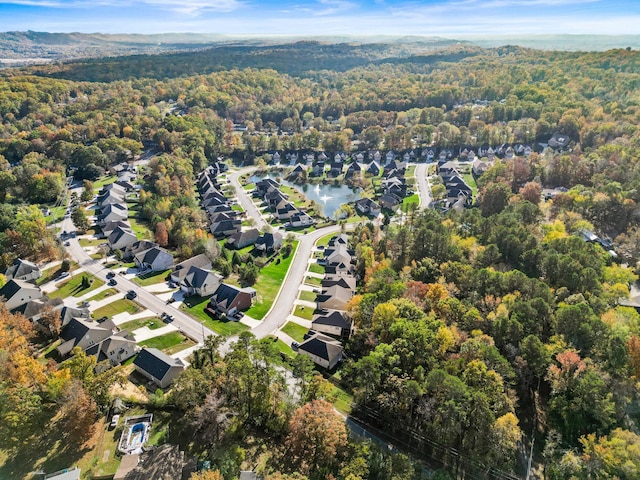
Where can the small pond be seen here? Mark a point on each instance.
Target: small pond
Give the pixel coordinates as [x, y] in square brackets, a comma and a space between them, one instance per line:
[328, 197]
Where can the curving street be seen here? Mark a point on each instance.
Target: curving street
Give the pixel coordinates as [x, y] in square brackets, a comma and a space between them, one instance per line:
[424, 190]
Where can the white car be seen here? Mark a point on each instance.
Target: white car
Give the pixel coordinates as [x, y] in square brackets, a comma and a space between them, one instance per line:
[114, 421]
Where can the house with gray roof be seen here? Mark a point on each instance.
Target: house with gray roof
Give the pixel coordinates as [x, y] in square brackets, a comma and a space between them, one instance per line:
[200, 281]
[243, 239]
[113, 213]
[181, 269]
[23, 270]
[115, 349]
[155, 259]
[16, 293]
[158, 367]
[83, 333]
[334, 323]
[335, 297]
[111, 226]
[121, 238]
[322, 350]
[269, 242]
[138, 247]
[229, 299]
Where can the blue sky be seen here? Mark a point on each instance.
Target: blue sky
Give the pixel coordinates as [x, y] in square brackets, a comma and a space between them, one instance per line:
[325, 17]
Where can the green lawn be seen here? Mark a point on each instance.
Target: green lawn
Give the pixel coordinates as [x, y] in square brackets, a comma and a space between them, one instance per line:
[73, 287]
[151, 278]
[413, 199]
[98, 184]
[53, 272]
[165, 342]
[103, 294]
[342, 400]
[295, 331]
[315, 268]
[140, 228]
[411, 170]
[237, 207]
[314, 281]
[324, 241]
[269, 283]
[114, 308]
[195, 307]
[151, 322]
[249, 186]
[284, 348]
[90, 242]
[467, 177]
[307, 296]
[303, 312]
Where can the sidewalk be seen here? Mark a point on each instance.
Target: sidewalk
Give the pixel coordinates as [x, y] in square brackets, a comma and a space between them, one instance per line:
[145, 333]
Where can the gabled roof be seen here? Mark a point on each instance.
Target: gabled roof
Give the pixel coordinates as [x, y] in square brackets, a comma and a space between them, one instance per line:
[226, 294]
[150, 255]
[156, 363]
[268, 240]
[322, 346]
[20, 268]
[334, 318]
[78, 328]
[247, 237]
[67, 313]
[335, 292]
[34, 307]
[113, 343]
[198, 277]
[181, 269]
[14, 286]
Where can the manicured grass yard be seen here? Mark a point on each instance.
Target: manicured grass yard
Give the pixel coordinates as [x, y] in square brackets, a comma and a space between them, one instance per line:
[151, 322]
[114, 308]
[103, 294]
[307, 296]
[467, 177]
[98, 184]
[195, 307]
[315, 281]
[164, 342]
[315, 268]
[284, 348]
[249, 186]
[342, 400]
[269, 283]
[303, 312]
[73, 287]
[90, 242]
[413, 199]
[139, 227]
[295, 331]
[53, 272]
[151, 278]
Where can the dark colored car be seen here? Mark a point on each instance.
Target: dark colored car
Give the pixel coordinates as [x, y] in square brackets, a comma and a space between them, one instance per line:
[131, 294]
[113, 282]
[111, 274]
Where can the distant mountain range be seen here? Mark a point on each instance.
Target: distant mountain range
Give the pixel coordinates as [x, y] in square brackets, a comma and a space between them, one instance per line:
[22, 48]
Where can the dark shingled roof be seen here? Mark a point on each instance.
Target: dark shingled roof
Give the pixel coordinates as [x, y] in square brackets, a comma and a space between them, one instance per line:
[334, 319]
[155, 362]
[318, 346]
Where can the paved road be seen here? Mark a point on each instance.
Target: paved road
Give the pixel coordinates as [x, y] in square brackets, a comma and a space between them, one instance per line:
[424, 189]
[244, 199]
[191, 327]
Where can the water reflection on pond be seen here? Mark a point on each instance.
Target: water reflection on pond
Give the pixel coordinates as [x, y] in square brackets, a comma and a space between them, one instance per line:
[329, 197]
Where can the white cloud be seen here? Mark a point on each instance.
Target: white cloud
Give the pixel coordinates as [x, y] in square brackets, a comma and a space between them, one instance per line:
[185, 6]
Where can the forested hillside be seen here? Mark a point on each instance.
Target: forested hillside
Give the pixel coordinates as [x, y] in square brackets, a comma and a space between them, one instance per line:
[483, 330]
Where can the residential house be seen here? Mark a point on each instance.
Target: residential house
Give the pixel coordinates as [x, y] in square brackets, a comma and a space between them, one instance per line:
[225, 228]
[164, 462]
[158, 367]
[390, 201]
[269, 242]
[67, 313]
[113, 213]
[284, 210]
[114, 349]
[140, 246]
[34, 308]
[200, 281]
[83, 333]
[345, 281]
[333, 323]
[111, 226]
[264, 185]
[374, 169]
[181, 269]
[229, 299]
[16, 293]
[322, 350]
[559, 141]
[354, 170]
[340, 239]
[334, 298]
[155, 259]
[23, 270]
[299, 171]
[121, 238]
[367, 206]
[243, 239]
[479, 167]
[300, 219]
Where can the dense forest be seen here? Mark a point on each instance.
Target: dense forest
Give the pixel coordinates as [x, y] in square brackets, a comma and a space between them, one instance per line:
[485, 329]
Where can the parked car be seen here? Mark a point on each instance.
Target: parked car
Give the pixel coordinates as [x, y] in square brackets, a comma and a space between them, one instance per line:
[63, 275]
[295, 345]
[67, 244]
[171, 300]
[113, 282]
[111, 274]
[84, 304]
[131, 295]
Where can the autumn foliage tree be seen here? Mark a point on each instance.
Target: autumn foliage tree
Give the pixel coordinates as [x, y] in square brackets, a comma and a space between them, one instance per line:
[317, 437]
